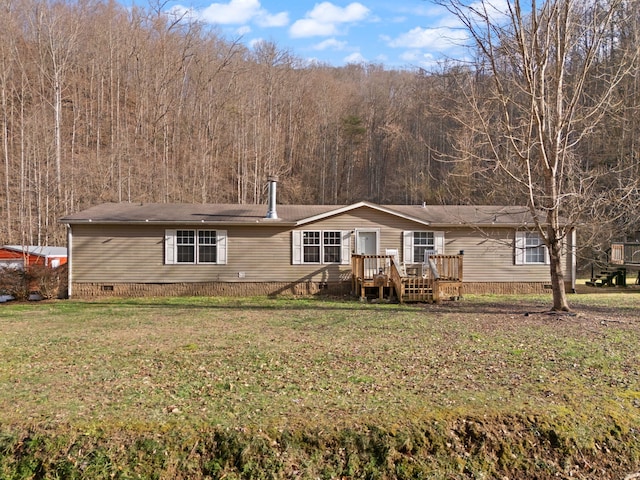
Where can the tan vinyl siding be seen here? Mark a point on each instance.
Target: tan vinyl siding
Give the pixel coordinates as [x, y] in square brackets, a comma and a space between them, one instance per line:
[135, 253]
[390, 226]
[489, 256]
[116, 253]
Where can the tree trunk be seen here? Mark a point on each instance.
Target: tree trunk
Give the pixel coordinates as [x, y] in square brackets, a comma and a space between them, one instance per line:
[560, 302]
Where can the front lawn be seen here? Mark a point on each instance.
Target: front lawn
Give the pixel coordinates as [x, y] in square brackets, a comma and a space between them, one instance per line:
[252, 388]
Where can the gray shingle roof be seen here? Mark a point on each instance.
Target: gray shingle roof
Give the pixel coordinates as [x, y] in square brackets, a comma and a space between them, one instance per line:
[451, 215]
[188, 213]
[166, 213]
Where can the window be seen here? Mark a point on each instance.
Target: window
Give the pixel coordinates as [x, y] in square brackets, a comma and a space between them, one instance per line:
[534, 251]
[195, 246]
[416, 243]
[311, 247]
[207, 246]
[331, 246]
[320, 246]
[422, 241]
[530, 249]
[186, 241]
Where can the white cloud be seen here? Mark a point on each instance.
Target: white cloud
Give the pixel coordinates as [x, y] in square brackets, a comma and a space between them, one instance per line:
[278, 20]
[234, 12]
[308, 27]
[424, 60]
[330, 44]
[355, 57]
[327, 12]
[432, 38]
[326, 18]
[241, 12]
[497, 10]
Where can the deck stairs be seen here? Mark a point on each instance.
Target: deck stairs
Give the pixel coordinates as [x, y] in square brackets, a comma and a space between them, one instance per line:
[611, 277]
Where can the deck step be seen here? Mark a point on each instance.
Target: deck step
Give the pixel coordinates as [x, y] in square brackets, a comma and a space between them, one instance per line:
[616, 277]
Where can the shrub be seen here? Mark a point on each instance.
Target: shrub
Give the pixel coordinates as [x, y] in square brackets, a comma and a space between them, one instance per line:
[46, 281]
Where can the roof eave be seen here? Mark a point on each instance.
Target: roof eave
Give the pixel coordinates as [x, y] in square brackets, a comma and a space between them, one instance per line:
[262, 222]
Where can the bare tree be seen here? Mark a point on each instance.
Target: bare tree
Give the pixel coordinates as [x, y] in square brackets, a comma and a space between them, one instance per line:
[537, 110]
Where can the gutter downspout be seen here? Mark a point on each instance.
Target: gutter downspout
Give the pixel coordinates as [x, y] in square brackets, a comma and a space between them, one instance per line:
[69, 261]
[573, 259]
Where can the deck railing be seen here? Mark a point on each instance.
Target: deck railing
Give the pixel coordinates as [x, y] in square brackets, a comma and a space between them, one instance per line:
[625, 253]
[446, 267]
[449, 267]
[410, 281]
[366, 267]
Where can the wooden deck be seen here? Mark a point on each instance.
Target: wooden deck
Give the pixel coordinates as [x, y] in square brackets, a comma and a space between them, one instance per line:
[382, 275]
[624, 258]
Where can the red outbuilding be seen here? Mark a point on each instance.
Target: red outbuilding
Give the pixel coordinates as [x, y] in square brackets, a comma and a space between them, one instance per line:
[17, 256]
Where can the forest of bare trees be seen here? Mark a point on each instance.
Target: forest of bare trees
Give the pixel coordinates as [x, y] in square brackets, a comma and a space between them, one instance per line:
[104, 103]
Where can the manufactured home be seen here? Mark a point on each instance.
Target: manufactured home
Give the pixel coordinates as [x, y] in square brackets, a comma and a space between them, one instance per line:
[139, 249]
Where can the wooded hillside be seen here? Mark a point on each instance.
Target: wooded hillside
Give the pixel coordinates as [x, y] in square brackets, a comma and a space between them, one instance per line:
[101, 103]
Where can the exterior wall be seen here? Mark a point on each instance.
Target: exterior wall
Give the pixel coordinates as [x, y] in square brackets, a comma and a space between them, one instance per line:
[11, 259]
[133, 255]
[11, 255]
[489, 257]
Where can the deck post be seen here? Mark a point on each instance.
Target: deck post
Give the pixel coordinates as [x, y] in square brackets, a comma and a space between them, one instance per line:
[435, 290]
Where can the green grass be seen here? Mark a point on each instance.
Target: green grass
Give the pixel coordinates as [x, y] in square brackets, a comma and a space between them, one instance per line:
[325, 388]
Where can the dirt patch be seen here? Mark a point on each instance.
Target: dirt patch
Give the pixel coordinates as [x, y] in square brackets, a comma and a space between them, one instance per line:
[527, 312]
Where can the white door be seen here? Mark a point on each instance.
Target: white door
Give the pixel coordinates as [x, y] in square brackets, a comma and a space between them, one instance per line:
[367, 244]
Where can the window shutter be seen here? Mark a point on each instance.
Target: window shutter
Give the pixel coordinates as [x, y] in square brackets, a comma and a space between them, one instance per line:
[407, 242]
[296, 247]
[345, 254]
[520, 246]
[438, 240]
[170, 249]
[221, 247]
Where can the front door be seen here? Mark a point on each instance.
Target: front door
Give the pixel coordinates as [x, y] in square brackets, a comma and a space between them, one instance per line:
[367, 244]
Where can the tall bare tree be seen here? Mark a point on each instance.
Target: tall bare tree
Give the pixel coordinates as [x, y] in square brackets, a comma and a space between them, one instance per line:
[537, 109]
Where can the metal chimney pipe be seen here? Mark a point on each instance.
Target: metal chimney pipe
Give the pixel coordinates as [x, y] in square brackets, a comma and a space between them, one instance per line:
[271, 209]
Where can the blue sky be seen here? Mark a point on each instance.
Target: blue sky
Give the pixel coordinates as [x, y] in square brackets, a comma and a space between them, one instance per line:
[396, 34]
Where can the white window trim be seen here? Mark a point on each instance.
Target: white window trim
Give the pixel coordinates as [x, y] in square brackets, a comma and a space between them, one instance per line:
[407, 244]
[297, 247]
[171, 250]
[521, 249]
